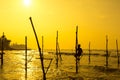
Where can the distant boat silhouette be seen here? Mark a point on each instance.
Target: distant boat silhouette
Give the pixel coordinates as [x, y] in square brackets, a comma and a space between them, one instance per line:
[7, 46]
[6, 42]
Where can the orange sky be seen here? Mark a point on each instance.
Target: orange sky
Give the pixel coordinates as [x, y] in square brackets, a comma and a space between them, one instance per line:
[95, 18]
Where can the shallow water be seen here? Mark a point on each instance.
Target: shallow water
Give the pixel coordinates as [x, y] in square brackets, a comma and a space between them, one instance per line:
[14, 67]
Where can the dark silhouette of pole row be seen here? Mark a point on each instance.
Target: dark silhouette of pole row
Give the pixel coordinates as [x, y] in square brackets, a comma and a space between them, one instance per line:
[78, 52]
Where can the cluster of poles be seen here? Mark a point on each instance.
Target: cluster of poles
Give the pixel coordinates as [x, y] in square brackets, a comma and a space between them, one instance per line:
[76, 47]
[41, 52]
[89, 54]
[107, 53]
[58, 55]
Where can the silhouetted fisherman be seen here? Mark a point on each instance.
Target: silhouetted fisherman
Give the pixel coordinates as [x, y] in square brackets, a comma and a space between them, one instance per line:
[79, 52]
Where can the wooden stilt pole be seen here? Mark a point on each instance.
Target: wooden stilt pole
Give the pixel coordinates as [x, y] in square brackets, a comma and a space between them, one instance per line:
[40, 54]
[49, 65]
[76, 47]
[42, 45]
[107, 52]
[117, 52]
[89, 53]
[26, 58]
[57, 50]
[2, 50]
[59, 53]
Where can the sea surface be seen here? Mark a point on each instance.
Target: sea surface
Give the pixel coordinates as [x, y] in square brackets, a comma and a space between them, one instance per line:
[14, 66]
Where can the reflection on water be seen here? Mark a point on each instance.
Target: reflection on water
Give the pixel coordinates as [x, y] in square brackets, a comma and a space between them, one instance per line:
[14, 67]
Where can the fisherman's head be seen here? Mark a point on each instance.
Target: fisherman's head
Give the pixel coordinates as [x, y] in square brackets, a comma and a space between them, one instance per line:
[79, 45]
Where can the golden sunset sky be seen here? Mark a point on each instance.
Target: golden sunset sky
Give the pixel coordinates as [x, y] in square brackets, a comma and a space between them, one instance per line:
[95, 19]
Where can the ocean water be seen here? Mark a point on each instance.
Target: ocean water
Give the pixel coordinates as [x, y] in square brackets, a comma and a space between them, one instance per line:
[14, 66]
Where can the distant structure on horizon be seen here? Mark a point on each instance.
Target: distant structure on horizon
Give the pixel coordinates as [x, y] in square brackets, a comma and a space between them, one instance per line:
[5, 42]
[7, 46]
[16, 46]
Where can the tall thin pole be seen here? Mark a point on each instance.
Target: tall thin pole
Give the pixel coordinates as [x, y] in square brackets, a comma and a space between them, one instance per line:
[42, 45]
[26, 58]
[40, 54]
[2, 52]
[117, 52]
[89, 53]
[76, 47]
[57, 50]
[106, 51]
